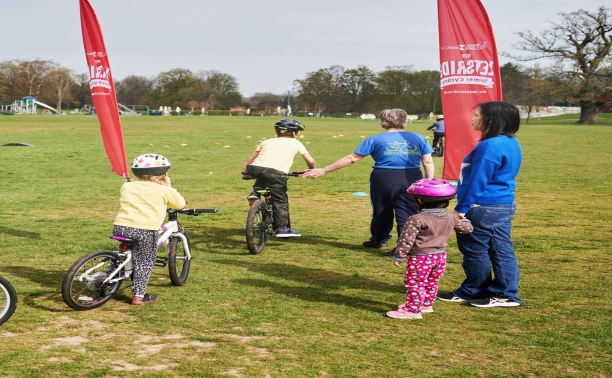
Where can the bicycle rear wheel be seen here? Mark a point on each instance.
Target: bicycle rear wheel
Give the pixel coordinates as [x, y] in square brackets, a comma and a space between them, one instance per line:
[8, 300]
[258, 227]
[178, 264]
[83, 287]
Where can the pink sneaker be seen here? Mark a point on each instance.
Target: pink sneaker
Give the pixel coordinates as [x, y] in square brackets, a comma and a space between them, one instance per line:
[403, 314]
[423, 309]
[148, 298]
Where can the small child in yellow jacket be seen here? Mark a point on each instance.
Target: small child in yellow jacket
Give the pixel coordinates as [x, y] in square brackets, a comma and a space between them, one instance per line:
[142, 213]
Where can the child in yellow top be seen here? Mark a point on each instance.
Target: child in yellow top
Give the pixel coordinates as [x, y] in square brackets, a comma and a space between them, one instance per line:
[269, 165]
[142, 213]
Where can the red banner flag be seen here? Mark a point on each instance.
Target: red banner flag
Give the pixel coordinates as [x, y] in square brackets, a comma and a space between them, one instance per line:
[469, 75]
[103, 90]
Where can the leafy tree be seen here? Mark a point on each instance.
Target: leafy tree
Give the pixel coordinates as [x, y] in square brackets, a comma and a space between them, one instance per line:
[133, 90]
[322, 89]
[426, 91]
[220, 90]
[81, 94]
[513, 79]
[395, 88]
[268, 101]
[173, 88]
[581, 43]
[359, 88]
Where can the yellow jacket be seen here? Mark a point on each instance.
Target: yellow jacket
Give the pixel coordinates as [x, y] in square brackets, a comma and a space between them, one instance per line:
[144, 204]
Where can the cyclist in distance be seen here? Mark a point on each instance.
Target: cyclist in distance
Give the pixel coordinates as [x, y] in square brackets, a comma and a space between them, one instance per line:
[143, 209]
[269, 165]
[438, 128]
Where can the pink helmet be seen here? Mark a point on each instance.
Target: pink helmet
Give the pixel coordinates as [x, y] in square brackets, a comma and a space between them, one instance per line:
[431, 190]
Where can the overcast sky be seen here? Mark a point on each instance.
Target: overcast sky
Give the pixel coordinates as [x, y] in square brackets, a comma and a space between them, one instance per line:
[265, 44]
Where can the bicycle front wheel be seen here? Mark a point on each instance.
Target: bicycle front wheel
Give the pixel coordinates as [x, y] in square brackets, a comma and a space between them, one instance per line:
[178, 263]
[258, 227]
[83, 287]
[8, 300]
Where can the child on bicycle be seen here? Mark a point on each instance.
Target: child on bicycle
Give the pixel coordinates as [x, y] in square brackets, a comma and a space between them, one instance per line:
[423, 242]
[142, 212]
[269, 165]
[438, 130]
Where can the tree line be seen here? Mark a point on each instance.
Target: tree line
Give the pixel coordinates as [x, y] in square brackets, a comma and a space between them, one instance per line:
[580, 45]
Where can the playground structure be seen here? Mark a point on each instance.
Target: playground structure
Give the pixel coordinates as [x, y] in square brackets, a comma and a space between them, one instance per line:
[27, 105]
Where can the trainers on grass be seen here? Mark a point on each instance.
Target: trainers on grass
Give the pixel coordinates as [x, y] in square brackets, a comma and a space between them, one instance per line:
[498, 301]
[449, 297]
[375, 244]
[424, 309]
[286, 233]
[148, 298]
[404, 314]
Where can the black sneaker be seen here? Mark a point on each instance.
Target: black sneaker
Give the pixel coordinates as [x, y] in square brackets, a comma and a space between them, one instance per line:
[375, 244]
[391, 253]
[498, 301]
[449, 297]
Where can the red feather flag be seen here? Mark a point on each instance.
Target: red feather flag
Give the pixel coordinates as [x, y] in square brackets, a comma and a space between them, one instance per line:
[103, 90]
[469, 75]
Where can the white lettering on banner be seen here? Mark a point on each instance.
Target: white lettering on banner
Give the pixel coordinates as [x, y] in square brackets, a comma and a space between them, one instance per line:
[467, 67]
[467, 46]
[99, 83]
[475, 80]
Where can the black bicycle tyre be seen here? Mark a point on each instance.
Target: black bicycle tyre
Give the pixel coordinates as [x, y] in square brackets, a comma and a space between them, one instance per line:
[257, 227]
[176, 251]
[86, 295]
[8, 305]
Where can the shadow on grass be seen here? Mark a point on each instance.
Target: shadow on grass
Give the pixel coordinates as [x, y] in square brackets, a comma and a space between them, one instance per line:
[19, 233]
[224, 241]
[318, 295]
[50, 298]
[321, 284]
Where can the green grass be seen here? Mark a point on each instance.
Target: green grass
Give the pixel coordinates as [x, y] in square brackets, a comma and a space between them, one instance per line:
[307, 307]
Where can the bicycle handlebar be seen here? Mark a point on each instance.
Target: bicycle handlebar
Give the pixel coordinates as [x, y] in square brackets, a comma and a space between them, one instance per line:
[196, 211]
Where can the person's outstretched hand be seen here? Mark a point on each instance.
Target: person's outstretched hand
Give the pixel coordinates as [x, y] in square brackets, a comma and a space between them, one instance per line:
[313, 173]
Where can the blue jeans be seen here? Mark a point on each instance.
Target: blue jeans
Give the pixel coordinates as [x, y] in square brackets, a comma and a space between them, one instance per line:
[489, 246]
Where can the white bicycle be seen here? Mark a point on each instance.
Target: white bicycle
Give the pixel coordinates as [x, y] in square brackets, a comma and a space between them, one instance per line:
[96, 277]
[8, 300]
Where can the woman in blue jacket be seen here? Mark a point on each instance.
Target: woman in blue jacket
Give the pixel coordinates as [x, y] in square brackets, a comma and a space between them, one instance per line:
[485, 196]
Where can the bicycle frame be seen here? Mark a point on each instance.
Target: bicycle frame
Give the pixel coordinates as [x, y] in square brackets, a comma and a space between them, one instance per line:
[166, 232]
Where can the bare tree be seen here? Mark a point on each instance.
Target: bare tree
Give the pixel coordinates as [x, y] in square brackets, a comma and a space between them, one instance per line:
[27, 78]
[581, 42]
[61, 80]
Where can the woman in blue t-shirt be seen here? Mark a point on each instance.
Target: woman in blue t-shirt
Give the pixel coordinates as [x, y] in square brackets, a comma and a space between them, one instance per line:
[398, 155]
[485, 196]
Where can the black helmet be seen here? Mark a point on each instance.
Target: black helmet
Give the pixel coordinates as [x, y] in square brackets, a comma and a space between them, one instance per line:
[289, 124]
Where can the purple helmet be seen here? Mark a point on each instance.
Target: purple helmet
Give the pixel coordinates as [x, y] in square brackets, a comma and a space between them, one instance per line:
[432, 190]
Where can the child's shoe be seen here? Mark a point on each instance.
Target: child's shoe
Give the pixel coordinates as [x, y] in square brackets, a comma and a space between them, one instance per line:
[252, 198]
[424, 309]
[404, 314]
[148, 298]
[286, 233]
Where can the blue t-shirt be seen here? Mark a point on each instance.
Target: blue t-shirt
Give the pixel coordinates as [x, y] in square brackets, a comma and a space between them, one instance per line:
[395, 150]
[488, 173]
[439, 127]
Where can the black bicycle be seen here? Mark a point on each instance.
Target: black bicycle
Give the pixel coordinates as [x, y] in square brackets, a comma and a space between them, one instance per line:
[438, 147]
[8, 300]
[260, 224]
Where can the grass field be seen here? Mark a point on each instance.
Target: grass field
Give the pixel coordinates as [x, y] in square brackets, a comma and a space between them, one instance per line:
[306, 307]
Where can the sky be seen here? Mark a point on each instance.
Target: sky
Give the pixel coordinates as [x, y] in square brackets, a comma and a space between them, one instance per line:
[266, 44]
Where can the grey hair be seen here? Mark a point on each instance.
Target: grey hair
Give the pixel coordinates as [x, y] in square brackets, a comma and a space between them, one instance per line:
[393, 119]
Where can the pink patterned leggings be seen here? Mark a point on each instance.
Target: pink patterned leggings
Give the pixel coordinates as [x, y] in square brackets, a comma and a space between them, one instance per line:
[423, 274]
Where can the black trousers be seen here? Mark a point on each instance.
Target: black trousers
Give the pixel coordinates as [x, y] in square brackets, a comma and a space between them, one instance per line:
[390, 200]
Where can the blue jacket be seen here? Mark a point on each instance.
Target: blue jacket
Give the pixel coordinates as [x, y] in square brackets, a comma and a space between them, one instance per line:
[488, 173]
